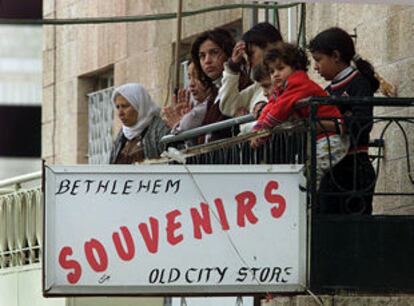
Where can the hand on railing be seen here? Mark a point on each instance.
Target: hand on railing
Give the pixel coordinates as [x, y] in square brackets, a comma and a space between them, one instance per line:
[257, 142]
[241, 112]
[257, 109]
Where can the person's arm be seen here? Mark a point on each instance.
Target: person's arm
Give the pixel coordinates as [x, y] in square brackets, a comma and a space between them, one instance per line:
[192, 119]
[360, 121]
[229, 94]
[232, 100]
[280, 111]
[151, 140]
[117, 147]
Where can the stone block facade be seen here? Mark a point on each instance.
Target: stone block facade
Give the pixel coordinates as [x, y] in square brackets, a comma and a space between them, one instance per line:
[74, 55]
[341, 300]
[135, 52]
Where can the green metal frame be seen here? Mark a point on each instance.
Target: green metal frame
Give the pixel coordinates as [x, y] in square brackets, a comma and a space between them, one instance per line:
[154, 17]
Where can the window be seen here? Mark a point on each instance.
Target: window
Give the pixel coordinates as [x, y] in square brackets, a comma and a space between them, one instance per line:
[100, 118]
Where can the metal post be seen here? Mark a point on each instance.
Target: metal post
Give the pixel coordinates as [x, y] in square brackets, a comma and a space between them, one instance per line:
[253, 16]
[266, 13]
[302, 26]
[313, 162]
[178, 43]
[276, 18]
[292, 24]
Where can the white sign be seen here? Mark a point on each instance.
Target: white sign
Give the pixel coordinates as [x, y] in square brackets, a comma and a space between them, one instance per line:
[158, 230]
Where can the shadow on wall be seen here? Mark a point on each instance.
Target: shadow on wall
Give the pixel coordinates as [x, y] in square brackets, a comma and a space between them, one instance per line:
[20, 131]
[26, 9]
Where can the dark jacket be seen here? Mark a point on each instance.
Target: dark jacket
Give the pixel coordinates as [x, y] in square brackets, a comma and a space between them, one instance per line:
[358, 118]
[150, 140]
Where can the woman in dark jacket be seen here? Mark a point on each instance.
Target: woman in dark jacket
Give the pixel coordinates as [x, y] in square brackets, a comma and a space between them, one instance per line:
[142, 127]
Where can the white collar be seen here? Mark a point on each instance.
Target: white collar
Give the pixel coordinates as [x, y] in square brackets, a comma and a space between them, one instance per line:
[348, 70]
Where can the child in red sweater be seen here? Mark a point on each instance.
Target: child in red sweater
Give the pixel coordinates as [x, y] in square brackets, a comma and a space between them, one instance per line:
[287, 66]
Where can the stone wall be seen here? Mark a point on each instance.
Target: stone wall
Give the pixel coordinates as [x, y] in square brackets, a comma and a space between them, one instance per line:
[341, 300]
[136, 52]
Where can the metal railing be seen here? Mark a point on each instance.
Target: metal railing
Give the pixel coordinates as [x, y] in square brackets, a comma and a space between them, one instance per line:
[357, 252]
[376, 126]
[20, 220]
[295, 142]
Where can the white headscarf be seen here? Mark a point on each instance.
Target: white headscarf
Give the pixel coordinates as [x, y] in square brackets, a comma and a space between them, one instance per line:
[141, 101]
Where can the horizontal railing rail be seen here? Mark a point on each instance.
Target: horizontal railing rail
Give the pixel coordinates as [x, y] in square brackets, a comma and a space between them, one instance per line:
[358, 101]
[206, 129]
[18, 180]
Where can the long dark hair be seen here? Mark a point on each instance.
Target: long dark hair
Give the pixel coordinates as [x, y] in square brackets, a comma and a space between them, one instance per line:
[326, 42]
[289, 54]
[221, 38]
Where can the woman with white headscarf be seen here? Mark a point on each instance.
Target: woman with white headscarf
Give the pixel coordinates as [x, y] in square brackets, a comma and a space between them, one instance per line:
[142, 127]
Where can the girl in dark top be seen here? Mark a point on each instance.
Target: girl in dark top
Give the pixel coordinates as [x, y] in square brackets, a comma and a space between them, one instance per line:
[333, 51]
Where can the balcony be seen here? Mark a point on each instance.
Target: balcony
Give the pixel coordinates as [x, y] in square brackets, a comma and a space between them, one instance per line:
[354, 252]
[359, 253]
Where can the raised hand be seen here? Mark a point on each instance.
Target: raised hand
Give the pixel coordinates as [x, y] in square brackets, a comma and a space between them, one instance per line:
[238, 52]
[180, 106]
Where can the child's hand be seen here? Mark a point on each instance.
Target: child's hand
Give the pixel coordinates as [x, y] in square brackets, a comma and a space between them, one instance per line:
[258, 109]
[241, 112]
[257, 142]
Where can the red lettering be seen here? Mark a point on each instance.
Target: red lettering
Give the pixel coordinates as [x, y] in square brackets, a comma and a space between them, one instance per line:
[74, 276]
[222, 214]
[201, 221]
[278, 210]
[129, 252]
[94, 246]
[172, 226]
[245, 202]
[151, 240]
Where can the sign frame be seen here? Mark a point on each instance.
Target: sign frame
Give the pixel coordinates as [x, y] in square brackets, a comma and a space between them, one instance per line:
[51, 289]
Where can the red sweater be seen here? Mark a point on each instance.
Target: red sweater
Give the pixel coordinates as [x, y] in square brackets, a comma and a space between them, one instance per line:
[298, 86]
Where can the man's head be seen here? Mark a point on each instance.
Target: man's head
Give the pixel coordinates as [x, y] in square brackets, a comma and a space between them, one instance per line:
[258, 39]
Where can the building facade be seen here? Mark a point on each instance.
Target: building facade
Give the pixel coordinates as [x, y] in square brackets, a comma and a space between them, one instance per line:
[81, 60]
